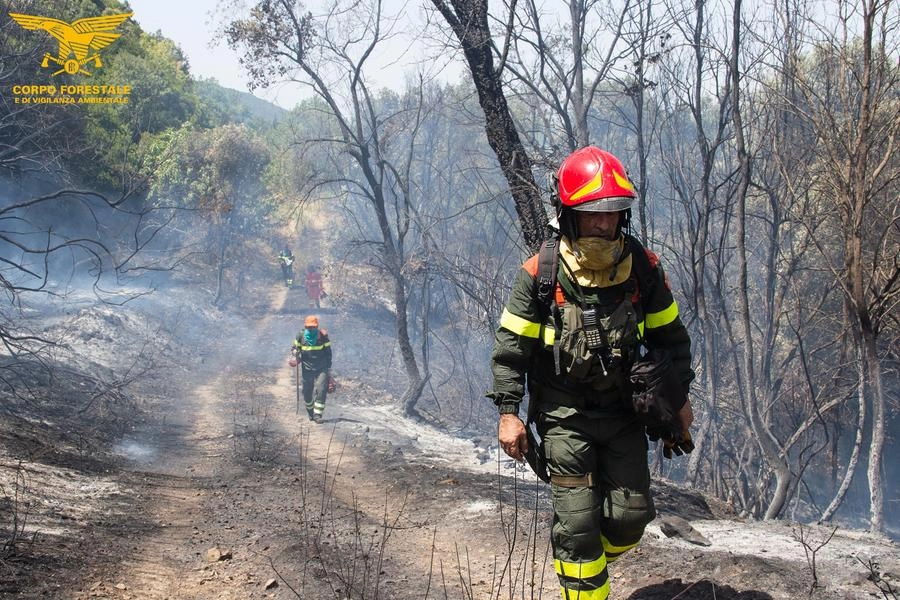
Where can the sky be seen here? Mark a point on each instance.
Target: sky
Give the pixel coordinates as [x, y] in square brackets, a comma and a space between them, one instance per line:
[192, 25]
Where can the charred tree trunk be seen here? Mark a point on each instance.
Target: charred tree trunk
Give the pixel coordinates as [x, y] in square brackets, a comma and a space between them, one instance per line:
[874, 472]
[852, 464]
[415, 381]
[468, 19]
[860, 186]
[392, 245]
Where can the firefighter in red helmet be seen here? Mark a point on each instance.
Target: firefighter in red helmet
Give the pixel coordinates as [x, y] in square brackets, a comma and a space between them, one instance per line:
[580, 315]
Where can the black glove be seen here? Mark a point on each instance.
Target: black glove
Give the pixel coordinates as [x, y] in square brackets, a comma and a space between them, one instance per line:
[677, 445]
[657, 393]
[654, 434]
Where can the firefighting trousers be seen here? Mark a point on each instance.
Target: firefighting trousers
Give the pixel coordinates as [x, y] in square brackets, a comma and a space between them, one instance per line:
[600, 486]
[315, 388]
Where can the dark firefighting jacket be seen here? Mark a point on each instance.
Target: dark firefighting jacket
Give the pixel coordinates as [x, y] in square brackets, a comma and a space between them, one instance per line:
[315, 357]
[524, 344]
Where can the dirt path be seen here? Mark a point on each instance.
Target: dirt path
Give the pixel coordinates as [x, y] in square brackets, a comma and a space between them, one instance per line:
[316, 508]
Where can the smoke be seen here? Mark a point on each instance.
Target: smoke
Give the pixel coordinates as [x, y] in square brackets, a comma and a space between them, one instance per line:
[65, 242]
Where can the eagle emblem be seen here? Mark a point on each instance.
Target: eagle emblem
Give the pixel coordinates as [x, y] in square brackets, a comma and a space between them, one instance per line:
[79, 43]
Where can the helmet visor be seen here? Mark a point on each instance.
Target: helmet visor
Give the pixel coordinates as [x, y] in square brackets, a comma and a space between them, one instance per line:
[614, 204]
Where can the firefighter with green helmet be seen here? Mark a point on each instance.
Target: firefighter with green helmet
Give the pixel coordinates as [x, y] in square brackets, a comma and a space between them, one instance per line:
[286, 260]
[570, 334]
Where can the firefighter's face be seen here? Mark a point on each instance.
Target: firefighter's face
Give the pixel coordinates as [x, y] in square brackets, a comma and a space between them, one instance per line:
[597, 224]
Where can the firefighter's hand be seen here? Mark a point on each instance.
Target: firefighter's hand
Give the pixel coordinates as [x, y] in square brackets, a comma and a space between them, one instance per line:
[686, 416]
[512, 436]
[678, 445]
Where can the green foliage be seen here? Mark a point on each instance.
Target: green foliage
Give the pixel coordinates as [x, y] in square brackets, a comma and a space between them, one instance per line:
[161, 98]
[110, 146]
[217, 171]
[217, 176]
[31, 136]
[95, 143]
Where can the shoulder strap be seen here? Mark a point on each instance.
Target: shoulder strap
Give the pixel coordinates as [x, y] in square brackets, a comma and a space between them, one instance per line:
[548, 264]
[548, 267]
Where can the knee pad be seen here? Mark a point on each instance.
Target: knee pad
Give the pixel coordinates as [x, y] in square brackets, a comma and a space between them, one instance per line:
[577, 524]
[625, 514]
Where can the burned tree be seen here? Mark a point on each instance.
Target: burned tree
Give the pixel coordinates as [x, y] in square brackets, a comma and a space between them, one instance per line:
[469, 21]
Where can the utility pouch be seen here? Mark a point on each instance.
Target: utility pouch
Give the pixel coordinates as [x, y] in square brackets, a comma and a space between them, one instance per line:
[577, 358]
[581, 354]
[657, 393]
[594, 346]
[626, 513]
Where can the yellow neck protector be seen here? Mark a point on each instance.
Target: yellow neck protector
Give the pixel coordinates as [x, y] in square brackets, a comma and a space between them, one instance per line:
[596, 262]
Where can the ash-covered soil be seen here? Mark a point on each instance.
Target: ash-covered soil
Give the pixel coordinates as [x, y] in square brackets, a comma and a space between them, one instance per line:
[199, 479]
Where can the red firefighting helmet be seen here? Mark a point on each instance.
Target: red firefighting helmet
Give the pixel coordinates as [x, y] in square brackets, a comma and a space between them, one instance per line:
[591, 179]
[311, 321]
